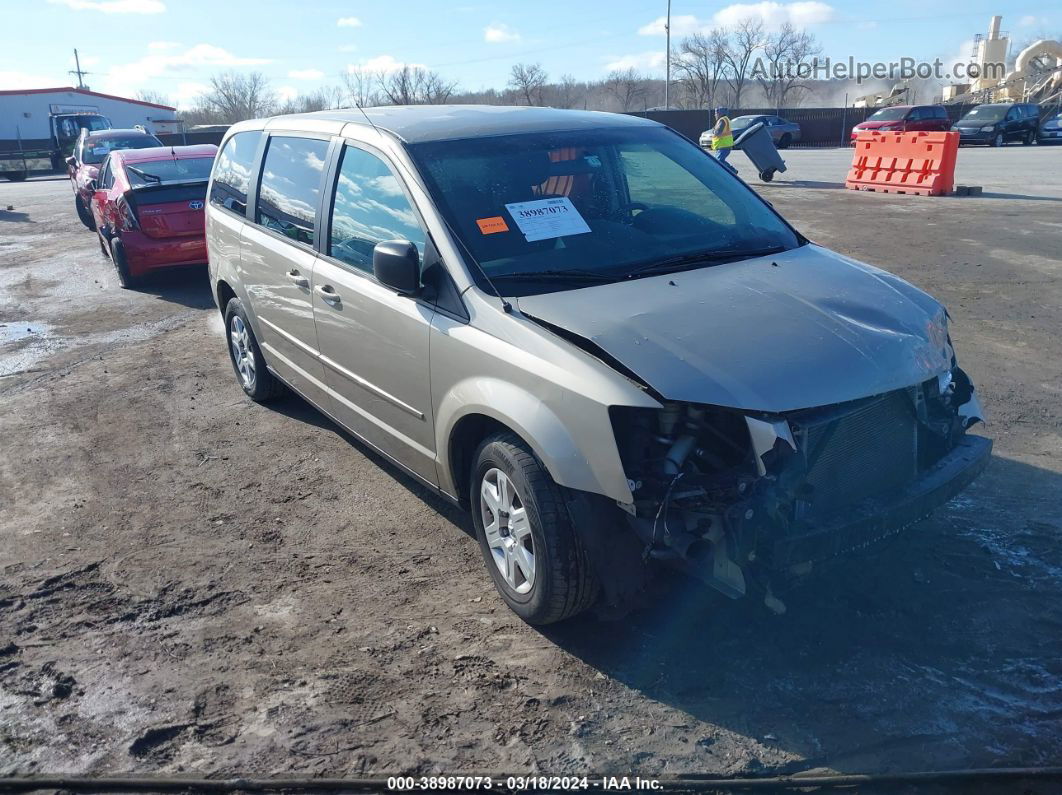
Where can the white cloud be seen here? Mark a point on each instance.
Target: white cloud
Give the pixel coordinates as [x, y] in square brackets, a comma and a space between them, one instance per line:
[641, 61]
[11, 81]
[774, 15]
[799, 14]
[381, 63]
[1029, 21]
[348, 22]
[499, 33]
[114, 6]
[305, 74]
[163, 45]
[127, 78]
[187, 91]
[286, 93]
[681, 25]
[348, 47]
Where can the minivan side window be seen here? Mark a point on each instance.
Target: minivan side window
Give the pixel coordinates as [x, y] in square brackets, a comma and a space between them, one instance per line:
[291, 185]
[232, 171]
[369, 207]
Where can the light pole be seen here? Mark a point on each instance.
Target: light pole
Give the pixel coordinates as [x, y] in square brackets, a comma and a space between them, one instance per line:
[667, 60]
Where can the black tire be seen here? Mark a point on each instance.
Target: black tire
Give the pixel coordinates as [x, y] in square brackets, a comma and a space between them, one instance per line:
[767, 174]
[1029, 138]
[785, 141]
[564, 584]
[263, 386]
[84, 213]
[121, 265]
[103, 245]
[15, 176]
[997, 140]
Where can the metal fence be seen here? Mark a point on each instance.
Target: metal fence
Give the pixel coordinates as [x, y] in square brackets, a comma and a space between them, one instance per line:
[819, 127]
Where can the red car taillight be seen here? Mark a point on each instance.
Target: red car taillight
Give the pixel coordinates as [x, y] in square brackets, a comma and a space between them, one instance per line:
[126, 214]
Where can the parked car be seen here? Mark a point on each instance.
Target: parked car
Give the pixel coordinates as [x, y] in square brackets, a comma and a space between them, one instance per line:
[906, 118]
[590, 334]
[785, 133]
[1051, 129]
[90, 151]
[148, 205]
[999, 123]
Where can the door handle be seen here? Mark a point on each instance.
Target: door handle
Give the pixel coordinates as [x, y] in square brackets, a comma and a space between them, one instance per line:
[327, 293]
[297, 278]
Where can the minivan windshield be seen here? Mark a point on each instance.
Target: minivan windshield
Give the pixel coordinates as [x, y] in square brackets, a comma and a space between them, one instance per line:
[986, 113]
[556, 210]
[889, 114]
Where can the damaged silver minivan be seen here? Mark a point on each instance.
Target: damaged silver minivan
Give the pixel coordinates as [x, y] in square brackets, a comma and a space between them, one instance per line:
[586, 331]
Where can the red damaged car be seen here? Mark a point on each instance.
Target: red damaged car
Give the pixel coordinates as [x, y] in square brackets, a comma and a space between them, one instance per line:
[148, 208]
[91, 149]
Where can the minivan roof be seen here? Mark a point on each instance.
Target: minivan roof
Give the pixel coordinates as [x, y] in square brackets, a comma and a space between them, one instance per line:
[420, 123]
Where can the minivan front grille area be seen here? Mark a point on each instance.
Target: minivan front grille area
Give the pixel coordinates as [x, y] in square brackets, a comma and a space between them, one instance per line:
[865, 450]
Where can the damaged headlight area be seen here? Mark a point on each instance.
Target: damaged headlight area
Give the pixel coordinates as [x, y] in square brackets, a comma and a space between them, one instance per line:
[740, 499]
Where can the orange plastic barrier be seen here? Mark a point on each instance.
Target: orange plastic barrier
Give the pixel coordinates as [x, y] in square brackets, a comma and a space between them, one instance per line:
[913, 162]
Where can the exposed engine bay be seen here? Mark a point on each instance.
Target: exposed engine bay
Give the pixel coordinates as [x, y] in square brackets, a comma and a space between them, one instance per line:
[742, 499]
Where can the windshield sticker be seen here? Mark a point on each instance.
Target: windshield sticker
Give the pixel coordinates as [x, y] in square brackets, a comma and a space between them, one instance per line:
[547, 218]
[492, 225]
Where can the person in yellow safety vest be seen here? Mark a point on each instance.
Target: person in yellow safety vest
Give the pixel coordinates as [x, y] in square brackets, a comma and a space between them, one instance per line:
[722, 137]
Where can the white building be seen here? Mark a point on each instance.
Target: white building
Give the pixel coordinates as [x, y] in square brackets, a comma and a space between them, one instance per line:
[25, 114]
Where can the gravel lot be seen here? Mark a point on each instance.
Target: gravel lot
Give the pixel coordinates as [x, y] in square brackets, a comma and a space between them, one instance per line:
[193, 583]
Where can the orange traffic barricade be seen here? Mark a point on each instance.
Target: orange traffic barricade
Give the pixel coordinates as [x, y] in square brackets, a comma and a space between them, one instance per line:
[922, 163]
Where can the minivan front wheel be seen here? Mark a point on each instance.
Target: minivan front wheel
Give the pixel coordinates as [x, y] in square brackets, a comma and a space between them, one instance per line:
[998, 140]
[256, 381]
[525, 534]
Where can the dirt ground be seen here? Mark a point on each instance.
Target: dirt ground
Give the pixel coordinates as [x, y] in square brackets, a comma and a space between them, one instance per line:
[192, 583]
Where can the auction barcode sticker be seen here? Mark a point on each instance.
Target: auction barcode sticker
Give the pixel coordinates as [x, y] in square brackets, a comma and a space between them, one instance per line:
[547, 218]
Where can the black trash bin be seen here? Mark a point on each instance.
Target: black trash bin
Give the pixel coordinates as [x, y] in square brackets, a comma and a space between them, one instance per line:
[757, 144]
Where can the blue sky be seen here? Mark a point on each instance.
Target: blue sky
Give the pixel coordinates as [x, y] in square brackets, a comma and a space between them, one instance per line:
[173, 46]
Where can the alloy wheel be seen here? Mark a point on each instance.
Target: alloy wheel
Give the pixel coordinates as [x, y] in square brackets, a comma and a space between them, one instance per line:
[508, 530]
[242, 355]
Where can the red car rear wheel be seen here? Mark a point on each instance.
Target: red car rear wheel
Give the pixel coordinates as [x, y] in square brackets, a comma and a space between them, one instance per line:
[121, 265]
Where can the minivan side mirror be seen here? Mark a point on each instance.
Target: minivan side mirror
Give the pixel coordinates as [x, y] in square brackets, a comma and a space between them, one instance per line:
[71, 161]
[396, 264]
[92, 186]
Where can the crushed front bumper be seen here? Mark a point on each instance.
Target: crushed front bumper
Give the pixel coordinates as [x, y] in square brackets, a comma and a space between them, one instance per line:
[878, 518]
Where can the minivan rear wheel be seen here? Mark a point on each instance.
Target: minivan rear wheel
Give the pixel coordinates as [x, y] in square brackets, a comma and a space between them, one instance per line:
[257, 382]
[525, 534]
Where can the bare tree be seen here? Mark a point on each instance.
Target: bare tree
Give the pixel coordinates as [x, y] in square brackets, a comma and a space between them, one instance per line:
[414, 85]
[784, 68]
[154, 97]
[234, 97]
[701, 64]
[528, 81]
[747, 37]
[359, 88]
[628, 87]
[564, 94]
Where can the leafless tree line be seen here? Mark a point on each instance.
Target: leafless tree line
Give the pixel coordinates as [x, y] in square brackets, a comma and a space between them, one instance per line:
[743, 66]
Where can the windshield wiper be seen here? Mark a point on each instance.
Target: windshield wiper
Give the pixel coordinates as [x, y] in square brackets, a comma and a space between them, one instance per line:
[143, 174]
[685, 260]
[557, 274]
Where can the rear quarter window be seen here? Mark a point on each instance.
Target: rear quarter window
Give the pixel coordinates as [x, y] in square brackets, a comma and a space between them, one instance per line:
[232, 171]
[291, 184]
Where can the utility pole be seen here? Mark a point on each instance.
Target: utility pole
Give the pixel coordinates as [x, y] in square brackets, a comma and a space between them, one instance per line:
[80, 74]
[667, 72]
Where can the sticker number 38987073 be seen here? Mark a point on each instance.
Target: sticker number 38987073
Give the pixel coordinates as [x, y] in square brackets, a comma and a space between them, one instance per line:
[547, 218]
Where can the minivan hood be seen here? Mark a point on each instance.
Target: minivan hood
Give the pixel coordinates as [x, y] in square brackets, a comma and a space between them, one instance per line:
[804, 328]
